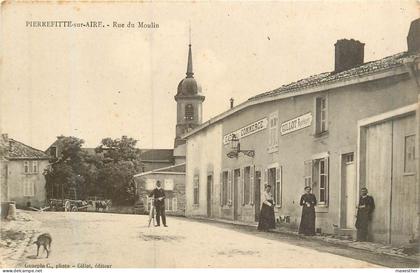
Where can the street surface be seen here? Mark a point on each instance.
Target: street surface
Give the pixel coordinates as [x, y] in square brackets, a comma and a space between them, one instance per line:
[121, 241]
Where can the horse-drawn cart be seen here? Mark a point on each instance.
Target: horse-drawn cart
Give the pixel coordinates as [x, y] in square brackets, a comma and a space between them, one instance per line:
[68, 205]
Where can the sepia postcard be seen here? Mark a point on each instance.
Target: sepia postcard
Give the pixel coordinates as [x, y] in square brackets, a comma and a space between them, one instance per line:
[210, 135]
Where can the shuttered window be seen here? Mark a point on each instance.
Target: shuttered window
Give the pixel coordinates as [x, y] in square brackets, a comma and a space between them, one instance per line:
[34, 166]
[321, 115]
[28, 188]
[321, 184]
[273, 131]
[308, 173]
[196, 189]
[26, 167]
[278, 187]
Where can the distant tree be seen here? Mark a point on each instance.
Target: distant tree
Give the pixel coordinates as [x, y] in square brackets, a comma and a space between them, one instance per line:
[65, 174]
[120, 149]
[121, 160]
[106, 173]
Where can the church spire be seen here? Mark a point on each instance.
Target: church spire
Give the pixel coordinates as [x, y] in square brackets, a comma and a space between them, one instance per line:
[190, 73]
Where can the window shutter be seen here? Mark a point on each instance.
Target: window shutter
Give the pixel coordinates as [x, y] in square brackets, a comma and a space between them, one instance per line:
[327, 186]
[252, 190]
[242, 179]
[278, 185]
[221, 189]
[230, 186]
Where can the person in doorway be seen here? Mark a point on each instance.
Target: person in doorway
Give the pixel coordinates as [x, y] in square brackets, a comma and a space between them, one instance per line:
[159, 201]
[364, 215]
[307, 221]
[267, 211]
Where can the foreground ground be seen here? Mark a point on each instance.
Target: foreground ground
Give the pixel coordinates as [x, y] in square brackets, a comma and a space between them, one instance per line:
[118, 240]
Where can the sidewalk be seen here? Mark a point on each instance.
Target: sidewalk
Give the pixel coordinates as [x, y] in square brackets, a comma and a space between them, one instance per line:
[330, 238]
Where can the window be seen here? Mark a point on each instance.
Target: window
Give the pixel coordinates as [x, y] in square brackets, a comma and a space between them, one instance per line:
[168, 184]
[247, 186]
[150, 184]
[171, 204]
[26, 166]
[321, 115]
[189, 112]
[28, 188]
[196, 189]
[224, 190]
[34, 166]
[278, 187]
[273, 132]
[273, 177]
[409, 156]
[322, 181]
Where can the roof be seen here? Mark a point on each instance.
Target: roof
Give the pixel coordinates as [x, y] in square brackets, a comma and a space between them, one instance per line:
[369, 71]
[18, 150]
[326, 77]
[156, 155]
[174, 169]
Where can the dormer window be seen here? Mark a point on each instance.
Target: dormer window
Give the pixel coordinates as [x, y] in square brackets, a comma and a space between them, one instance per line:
[189, 112]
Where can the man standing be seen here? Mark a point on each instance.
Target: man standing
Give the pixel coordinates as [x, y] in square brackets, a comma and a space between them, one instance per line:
[364, 215]
[159, 197]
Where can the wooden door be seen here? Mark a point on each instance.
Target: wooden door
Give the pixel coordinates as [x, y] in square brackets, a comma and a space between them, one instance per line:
[391, 179]
[403, 197]
[378, 177]
[348, 191]
[236, 179]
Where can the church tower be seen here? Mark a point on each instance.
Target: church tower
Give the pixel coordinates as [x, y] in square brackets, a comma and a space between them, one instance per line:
[189, 101]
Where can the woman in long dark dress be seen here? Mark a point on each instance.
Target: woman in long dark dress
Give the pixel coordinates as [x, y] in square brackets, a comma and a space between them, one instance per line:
[307, 222]
[267, 211]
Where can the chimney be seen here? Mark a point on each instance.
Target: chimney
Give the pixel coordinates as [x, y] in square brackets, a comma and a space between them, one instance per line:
[348, 54]
[413, 37]
[231, 103]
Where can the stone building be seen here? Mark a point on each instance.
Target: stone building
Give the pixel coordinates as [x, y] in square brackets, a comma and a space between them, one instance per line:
[22, 178]
[336, 131]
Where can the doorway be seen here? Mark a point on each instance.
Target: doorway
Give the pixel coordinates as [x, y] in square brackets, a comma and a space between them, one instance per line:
[257, 195]
[348, 191]
[236, 179]
[389, 172]
[209, 194]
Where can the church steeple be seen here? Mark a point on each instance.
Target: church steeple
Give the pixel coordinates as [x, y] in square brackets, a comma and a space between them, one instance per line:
[189, 102]
[190, 73]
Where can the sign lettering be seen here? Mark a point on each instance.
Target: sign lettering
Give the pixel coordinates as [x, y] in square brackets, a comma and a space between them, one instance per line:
[296, 124]
[247, 130]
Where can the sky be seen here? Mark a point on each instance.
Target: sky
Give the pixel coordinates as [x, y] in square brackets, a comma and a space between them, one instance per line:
[94, 83]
